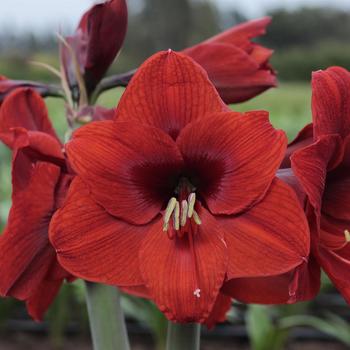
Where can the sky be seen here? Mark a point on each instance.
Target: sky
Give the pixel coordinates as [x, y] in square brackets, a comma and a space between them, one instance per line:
[255, 8]
[42, 14]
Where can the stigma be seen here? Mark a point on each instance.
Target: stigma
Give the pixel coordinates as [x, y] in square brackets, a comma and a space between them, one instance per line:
[180, 214]
[197, 293]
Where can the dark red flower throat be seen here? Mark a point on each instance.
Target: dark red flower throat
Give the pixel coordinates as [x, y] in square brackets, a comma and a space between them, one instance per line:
[181, 186]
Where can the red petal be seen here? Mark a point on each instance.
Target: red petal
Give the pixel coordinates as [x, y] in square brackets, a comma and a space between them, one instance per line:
[303, 139]
[92, 244]
[38, 303]
[169, 91]
[41, 143]
[224, 63]
[336, 198]
[25, 252]
[93, 52]
[261, 55]
[232, 158]
[332, 232]
[235, 74]
[251, 85]
[337, 266]
[102, 21]
[222, 305]
[237, 66]
[242, 34]
[139, 291]
[288, 177]
[174, 269]
[31, 278]
[331, 101]
[130, 169]
[274, 233]
[302, 284]
[310, 166]
[25, 108]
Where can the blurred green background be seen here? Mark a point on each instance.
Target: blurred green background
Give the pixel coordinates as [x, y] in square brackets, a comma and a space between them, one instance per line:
[304, 39]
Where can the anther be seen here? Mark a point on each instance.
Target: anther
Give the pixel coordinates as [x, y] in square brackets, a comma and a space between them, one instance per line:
[197, 293]
[196, 218]
[169, 209]
[177, 216]
[347, 236]
[191, 202]
[184, 209]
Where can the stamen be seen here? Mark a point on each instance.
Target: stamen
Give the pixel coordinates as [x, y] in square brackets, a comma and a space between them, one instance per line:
[191, 202]
[169, 210]
[347, 236]
[196, 218]
[177, 216]
[197, 293]
[184, 209]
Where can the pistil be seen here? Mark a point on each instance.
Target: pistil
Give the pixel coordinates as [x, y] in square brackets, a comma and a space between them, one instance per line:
[197, 293]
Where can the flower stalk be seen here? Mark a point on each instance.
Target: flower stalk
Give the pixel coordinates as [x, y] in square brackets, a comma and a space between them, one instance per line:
[184, 336]
[106, 317]
[111, 82]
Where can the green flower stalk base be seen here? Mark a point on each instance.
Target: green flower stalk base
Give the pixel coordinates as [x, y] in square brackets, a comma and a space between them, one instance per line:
[183, 336]
[107, 323]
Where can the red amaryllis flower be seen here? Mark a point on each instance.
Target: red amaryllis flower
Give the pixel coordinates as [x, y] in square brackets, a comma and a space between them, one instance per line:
[96, 43]
[238, 67]
[181, 197]
[322, 169]
[28, 266]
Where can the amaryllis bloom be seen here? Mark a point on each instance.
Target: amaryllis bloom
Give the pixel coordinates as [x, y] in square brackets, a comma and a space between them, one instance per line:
[178, 194]
[28, 266]
[95, 44]
[238, 67]
[322, 168]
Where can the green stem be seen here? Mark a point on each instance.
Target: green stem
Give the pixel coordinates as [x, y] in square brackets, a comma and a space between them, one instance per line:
[111, 82]
[183, 336]
[106, 317]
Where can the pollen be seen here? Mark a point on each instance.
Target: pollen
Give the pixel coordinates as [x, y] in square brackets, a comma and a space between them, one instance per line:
[197, 293]
[347, 236]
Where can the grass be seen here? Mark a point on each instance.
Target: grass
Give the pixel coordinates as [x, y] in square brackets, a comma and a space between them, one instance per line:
[288, 105]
